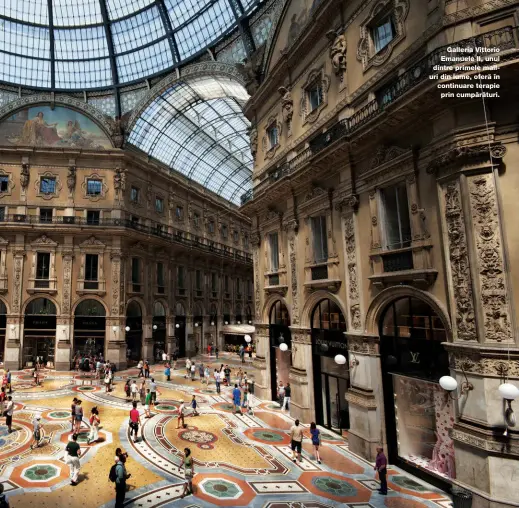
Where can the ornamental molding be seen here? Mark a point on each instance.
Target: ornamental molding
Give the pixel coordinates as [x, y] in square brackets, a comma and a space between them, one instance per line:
[366, 53]
[99, 117]
[287, 107]
[95, 197]
[487, 363]
[338, 51]
[314, 76]
[44, 242]
[461, 154]
[361, 399]
[92, 243]
[363, 344]
[292, 255]
[57, 187]
[211, 68]
[488, 440]
[10, 183]
[352, 274]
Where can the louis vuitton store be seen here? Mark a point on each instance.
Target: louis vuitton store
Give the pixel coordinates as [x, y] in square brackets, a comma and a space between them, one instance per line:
[419, 413]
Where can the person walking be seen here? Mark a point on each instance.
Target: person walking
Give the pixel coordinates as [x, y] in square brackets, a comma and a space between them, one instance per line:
[216, 351]
[146, 369]
[181, 413]
[189, 472]
[242, 354]
[107, 382]
[188, 368]
[142, 392]
[36, 424]
[9, 410]
[207, 375]
[236, 396]
[135, 421]
[120, 482]
[9, 384]
[153, 391]
[147, 403]
[315, 433]
[167, 371]
[381, 468]
[74, 453]
[4, 502]
[194, 405]
[296, 438]
[164, 357]
[128, 390]
[281, 393]
[78, 417]
[94, 421]
[217, 380]
[245, 395]
[3, 397]
[227, 372]
[73, 413]
[134, 390]
[193, 370]
[140, 366]
[286, 398]
[201, 372]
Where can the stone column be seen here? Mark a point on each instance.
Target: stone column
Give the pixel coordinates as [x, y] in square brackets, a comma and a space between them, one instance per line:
[14, 331]
[262, 362]
[116, 342]
[170, 335]
[302, 376]
[190, 337]
[147, 339]
[65, 323]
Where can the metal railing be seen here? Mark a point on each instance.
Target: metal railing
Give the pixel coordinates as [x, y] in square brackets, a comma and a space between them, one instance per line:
[502, 38]
[398, 261]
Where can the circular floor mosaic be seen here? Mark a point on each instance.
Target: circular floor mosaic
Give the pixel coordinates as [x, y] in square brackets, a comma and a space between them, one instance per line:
[334, 486]
[224, 406]
[407, 483]
[222, 489]
[58, 415]
[166, 407]
[269, 435]
[41, 473]
[203, 439]
[14, 443]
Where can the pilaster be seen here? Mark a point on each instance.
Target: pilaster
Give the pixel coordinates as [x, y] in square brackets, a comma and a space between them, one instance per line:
[262, 362]
[301, 375]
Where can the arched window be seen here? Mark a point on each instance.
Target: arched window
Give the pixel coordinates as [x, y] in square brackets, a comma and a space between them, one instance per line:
[197, 310]
[158, 310]
[3, 308]
[90, 308]
[279, 314]
[133, 309]
[328, 316]
[40, 306]
[179, 310]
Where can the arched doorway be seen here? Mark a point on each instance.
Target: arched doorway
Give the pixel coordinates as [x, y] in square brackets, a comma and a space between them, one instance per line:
[279, 332]
[198, 327]
[158, 332]
[89, 328]
[331, 381]
[180, 329]
[3, 328]
[133, 333]
[413, 360]
[39, 332]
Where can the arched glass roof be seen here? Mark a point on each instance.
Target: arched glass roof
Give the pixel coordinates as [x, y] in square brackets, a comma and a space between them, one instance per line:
[89, 44]
[197, 128]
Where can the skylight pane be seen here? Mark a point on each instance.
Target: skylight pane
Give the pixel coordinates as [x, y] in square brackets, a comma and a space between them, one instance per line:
[32, 11]
[24, 71]
[76, 12]
[80, 43]
[182, 10]
[137, 31]
[119, 8]
[144, 62]
[83, 73]
[25, 40]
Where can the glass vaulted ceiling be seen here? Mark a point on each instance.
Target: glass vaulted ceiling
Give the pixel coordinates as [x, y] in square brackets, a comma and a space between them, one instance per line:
[197, 128]
[88, 44]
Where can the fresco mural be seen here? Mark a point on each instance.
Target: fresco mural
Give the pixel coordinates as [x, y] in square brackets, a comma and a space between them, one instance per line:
[58, 127]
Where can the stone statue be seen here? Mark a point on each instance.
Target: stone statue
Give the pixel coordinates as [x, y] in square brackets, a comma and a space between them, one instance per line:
[117, 130]
[251, 70]
[253, 135]
[24, 176]
[119, 181]
[287, 104]
[338, 51]
[71, 178]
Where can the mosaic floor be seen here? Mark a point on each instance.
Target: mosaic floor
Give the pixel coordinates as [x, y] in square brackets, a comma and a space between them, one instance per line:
[240, 460]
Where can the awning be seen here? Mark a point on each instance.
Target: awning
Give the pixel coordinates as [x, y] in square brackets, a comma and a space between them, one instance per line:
[238, 329]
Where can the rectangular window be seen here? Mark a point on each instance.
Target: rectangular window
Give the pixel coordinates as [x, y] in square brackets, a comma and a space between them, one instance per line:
[395, 215]
[4, 183]
[236, 236]
[238, 286]
[136, 270]
[48, 185]
[179, 212]
[320, 243]
[94, 187]
[134, 194]
[160, 278]
[2, 213]
[273, 136]
[91, 267]
[43, 265]
[198, 280]
[196, 219]
[180, 277]
[211, 226]
[226, 283]
[274, 252]
[315, 96]
[159, 205]
[383, 33]
[46, 215]
[93, 217]
[246, 242]
[214, 285]
[225, 232]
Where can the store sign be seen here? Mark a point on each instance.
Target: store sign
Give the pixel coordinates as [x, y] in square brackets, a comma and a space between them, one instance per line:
[329, 346]
[43, 322]
[89, 323]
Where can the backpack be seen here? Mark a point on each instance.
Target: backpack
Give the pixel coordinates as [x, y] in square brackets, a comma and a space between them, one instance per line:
[3, 502]
[112, 476]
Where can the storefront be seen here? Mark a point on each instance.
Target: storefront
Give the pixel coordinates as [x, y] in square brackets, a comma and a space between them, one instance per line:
[3, 328]
[279, 333]
[133, 333]
[158, 332]
[89, 329]
[39, 335]
[419, 413]
[234, 336]
[331, 381]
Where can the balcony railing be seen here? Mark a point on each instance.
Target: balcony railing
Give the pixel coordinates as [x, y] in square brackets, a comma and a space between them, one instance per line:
[159, 230]
[274, 280]
[503, 38]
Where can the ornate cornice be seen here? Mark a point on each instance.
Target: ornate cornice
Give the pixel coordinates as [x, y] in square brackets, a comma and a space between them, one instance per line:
[487, 440]
[362, 399]
[301, 335]
[363, 343]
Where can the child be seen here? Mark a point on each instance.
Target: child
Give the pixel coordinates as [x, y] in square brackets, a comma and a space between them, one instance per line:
[193, 405]
[167, 372]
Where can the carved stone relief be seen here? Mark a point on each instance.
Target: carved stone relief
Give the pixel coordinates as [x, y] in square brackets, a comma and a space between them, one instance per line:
[352, 274]
[24, 176]
[71, 179]
[67, 282]
[17, 280]
[119, 183]
[293, 277]
[492, 281]
[257, 301]
[116, 283]
[459, 263]
[338, 52]
[253, 135]
[287, 108]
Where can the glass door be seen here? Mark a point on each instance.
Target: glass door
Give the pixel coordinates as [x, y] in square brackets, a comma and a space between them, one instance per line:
[335, 407]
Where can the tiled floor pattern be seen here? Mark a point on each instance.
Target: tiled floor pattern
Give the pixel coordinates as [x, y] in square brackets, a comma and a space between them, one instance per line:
[239, 459]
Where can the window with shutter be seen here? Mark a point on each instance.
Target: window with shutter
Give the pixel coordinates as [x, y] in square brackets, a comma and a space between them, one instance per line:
[274, 252]
[396, 221]
[320, 244]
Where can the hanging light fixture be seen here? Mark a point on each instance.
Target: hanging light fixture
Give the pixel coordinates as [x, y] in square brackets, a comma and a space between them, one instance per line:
[177, 326]
[450, 385]
[155, 327]
[509, 392]
[127, 328]
[248, 338]
[283, 346]
[212, 323]
[340, 359]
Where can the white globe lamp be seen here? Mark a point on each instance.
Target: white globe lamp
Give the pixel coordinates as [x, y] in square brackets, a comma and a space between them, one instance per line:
[212, 323]
[127, 328]
[448, 383]
[340, 359]
[248, 338]
[283, 346]
[155, 327]
[508, 391]
[114, 328]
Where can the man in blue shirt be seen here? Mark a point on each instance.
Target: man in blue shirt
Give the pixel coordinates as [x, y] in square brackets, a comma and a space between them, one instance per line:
[120, 483]
[236, 396]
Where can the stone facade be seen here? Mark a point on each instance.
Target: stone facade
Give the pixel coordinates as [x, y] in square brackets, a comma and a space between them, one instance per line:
[379, 124]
